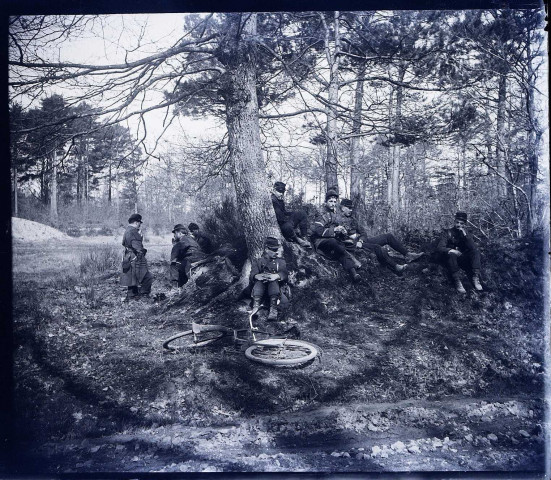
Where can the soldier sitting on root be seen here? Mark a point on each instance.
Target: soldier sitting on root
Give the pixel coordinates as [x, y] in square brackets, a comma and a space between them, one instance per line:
[458, 250]
[268, 274]
[185, 251]
[289, 220]
[357, 239]
[329, 235]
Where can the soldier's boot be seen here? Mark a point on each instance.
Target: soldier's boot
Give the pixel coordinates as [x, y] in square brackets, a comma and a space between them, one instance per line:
[399, 268]
[412, 256]
[458, 285]
[355, 276]
[257, 303]
[272, 314]
[476, 280]
[302, 242]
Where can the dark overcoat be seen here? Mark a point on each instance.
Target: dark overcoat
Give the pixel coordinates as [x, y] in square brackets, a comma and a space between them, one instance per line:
[325, 222]
[134, 263]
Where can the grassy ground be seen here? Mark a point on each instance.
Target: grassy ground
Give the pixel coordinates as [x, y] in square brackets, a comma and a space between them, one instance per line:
[413, 376]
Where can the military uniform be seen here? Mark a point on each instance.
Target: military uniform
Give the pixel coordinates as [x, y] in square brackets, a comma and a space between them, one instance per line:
[267, 265]
[288, 221]
[326, 240]
[453, 238]
[135, 273]
[185, 252]
[372, 244]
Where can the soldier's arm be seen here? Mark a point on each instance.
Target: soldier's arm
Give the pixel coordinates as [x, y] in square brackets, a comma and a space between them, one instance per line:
[282, 271]
[321, 229]
[136, 244]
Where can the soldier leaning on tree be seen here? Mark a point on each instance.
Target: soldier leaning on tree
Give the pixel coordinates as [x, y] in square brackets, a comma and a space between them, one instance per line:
[268, 274]
[358, 239]
[289, 220]
[185, 251]
[458, 250]
[329, 235]
[203, 240]
[135, 274]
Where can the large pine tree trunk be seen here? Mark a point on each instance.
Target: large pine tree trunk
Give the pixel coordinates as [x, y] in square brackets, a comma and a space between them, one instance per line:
[247, 166]
[397, 148]
[333, 58]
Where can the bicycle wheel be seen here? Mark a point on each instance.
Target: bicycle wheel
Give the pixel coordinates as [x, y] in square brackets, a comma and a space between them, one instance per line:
[188, 340]
[282, 351]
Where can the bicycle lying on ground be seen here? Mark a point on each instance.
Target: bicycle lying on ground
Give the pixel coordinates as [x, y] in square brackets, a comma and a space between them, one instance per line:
[262, 347]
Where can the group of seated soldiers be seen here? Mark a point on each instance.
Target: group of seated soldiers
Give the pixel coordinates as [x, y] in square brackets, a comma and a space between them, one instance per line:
[335, 234]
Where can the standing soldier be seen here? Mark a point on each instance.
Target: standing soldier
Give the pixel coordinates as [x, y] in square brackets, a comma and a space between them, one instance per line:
[185, 251]
[202, 239]
[135, 274]
[329, 235]
[287, 220]
[457, 249]
[268, 273]
[357, 239]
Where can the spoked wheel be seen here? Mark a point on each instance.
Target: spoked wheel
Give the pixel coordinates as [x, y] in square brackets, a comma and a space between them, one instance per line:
[186, 339]
[282, 351]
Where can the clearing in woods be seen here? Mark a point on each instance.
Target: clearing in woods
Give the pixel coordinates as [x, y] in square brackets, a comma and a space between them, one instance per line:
[413, 376]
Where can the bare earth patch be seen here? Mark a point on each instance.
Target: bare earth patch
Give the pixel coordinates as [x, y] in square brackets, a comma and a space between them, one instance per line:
[412, 376]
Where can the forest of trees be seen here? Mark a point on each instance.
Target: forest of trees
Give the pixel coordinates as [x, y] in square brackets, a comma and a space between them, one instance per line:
[412, 114]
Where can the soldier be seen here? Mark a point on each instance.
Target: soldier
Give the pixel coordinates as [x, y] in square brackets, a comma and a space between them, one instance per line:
[357, 239]
[457, 249]
[185, 251]
[287, 220]
[268, 273]
[202, 239]
[330, 234]
[135, 274]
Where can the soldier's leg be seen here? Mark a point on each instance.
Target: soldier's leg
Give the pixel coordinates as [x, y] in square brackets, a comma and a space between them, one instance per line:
[288, 230]
[300, 220]
[390, 240]
[145, 287]
[132, 292]
[273, 293]
[382, 255]
[258, 291]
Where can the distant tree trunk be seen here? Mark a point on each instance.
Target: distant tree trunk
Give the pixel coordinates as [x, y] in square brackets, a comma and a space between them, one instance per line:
[356, 188]
[53, 191]
[333, 58]
[500, 130]
[109, 187]
[247, 165]
[532, 134]
[397, 147]
[15, 207]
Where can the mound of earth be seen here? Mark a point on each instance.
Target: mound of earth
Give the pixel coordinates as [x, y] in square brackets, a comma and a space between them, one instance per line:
[28, 231]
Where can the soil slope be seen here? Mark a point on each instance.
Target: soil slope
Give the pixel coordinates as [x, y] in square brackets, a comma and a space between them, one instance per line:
[413, 376]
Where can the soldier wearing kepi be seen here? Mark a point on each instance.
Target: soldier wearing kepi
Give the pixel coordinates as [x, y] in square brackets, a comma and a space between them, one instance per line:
[185, 251]
[458, 250]
[358, 239]
[135, 274]
[329, 235]
[268, 273]
[289, 220]
[200, 237]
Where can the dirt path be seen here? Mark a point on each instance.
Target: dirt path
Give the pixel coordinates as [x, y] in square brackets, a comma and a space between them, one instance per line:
[411, 378]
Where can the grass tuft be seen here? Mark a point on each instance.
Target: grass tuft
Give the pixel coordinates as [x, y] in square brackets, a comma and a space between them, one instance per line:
[99, 260]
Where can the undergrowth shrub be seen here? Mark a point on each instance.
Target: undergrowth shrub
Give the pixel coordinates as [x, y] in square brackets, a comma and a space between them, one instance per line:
[224, 227]
[98, 260]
